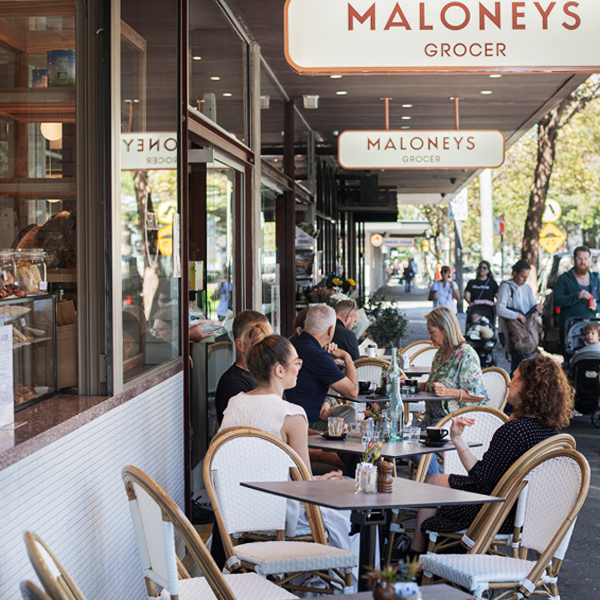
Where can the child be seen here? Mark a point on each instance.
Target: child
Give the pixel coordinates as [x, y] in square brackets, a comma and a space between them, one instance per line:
[592, 337]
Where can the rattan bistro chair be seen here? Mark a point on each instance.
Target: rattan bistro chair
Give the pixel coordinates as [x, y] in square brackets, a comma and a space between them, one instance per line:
[30, 591]
[156, 519]
[496, 383]
[547, 528]
[410, 350]
[511, 487]
[241, 454]
[52, 575]
[369, 369]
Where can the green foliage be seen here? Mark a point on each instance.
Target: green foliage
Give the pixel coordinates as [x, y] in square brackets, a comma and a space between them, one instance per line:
[388, 324]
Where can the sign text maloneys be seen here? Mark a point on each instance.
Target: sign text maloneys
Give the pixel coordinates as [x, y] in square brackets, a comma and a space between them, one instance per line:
[349, 36]
[461, 149]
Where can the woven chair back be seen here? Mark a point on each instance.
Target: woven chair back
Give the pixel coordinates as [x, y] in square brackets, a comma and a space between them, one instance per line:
[55, 579]
[411, 349]
[240, 454]
[496, 383]
[30, 591]
[423, 357]
[156, 518]
[369, 369]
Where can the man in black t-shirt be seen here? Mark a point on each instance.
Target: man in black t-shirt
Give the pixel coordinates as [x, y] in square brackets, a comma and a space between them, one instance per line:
[346, 313]
[237, 378]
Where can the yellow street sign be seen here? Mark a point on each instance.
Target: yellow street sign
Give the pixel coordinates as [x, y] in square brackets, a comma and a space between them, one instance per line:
[552, 211]
[551, 238]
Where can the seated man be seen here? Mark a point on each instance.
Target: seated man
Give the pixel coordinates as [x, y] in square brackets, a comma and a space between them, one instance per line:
[319, 370]
[346, 312]
[237, 378]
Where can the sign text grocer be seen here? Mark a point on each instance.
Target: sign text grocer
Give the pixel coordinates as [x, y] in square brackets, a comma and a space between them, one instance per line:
[461, 149]
[349, 36]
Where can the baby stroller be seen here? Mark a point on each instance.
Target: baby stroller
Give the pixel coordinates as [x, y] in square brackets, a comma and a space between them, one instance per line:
[582, 366]
[481, 333]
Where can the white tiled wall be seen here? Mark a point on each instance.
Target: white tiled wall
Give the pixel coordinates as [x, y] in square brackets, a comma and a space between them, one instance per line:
[71, 493]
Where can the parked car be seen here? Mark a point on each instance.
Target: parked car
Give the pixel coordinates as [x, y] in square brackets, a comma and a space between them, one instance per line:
[552, 268]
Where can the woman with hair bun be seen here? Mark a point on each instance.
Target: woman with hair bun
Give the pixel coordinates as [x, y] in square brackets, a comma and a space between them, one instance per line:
[542, 401]
[274, 364]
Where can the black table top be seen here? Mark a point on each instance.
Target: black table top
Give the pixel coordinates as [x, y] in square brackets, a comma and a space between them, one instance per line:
[340, 494]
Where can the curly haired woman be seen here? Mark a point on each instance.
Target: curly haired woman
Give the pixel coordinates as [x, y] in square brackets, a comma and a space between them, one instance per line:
[542, 401]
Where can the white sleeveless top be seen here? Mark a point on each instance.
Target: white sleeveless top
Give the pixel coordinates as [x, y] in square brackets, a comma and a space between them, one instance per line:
[265, 412]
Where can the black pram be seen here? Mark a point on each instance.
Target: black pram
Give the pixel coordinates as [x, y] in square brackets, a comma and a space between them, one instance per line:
[481, 332]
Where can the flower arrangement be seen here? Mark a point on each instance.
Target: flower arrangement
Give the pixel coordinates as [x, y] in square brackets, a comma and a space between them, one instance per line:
[373, 411]
[372, 452]
[320, 295]
[387, 574]
[395, 582]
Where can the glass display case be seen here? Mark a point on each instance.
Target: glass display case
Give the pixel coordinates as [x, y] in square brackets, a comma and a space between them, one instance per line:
[33, 320]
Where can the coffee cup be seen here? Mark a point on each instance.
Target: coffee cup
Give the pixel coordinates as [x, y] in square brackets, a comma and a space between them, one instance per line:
[371, 352]
[364, 387]
[436, 434]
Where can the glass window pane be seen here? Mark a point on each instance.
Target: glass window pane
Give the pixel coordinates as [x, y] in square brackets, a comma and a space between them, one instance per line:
[149, 194]
[38, 189]
[218, 67]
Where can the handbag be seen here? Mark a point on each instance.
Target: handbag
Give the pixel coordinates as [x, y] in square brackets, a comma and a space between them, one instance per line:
[525, 337]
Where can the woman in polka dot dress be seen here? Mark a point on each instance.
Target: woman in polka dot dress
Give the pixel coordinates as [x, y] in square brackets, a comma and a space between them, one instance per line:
[542, 401]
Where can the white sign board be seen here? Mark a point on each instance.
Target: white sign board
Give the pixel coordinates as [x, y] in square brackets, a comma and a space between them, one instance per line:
[399, 242]
[389, 36]
[7, 392]
[460, 206]
[142, 151]
[383, 149]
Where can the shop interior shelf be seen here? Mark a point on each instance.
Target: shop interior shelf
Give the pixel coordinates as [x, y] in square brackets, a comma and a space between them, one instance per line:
[38, 105]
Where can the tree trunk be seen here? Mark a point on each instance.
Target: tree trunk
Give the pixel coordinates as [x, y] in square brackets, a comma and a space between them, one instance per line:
[548, 129]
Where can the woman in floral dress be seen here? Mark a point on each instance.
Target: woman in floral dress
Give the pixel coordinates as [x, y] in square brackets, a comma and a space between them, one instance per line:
[455, 371]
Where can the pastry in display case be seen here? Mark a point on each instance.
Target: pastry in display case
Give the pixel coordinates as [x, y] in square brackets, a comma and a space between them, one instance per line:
[33, 322]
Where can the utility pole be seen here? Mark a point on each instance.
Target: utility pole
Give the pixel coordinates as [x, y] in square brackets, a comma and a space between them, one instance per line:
[487, 221]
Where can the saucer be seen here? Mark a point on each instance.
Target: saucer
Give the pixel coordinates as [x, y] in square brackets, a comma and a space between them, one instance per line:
[326, 436]
[433, 444]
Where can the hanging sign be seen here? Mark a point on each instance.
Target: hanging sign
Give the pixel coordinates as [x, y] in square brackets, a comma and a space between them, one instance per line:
[551, 238]
[141, 151]
[392, 242]
[452, 149]
[460, 205]
[350, 36]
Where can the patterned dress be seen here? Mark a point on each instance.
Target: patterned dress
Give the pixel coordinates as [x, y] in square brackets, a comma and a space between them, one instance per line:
[509, 443]
[461, 371]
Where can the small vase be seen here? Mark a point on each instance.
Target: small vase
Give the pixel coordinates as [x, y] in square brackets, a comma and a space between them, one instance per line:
[365, 478]
[385, 479]
[383, 591]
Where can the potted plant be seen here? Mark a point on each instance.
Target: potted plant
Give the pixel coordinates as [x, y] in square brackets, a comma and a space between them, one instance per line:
[366, 471]
[397, 582]
[388, 324]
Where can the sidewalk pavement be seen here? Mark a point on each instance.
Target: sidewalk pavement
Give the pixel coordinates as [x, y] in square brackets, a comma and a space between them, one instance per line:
[578, 579]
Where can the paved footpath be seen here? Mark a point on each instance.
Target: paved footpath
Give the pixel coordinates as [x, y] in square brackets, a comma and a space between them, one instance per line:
[579, 578]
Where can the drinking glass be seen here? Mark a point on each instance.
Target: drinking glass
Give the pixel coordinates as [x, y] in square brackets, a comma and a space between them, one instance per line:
[412, 435]
[335, 426]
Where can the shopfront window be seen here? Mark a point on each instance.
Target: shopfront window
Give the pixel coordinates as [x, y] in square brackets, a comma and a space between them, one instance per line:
[38, 202]
[150, 259]
[218, 68]
[268, 258]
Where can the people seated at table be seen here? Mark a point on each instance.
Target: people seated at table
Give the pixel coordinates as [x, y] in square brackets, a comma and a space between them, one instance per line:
[237, 378]
[275, 364]
[542, 401]
[455, 371]
[319, 370]
[346, 313]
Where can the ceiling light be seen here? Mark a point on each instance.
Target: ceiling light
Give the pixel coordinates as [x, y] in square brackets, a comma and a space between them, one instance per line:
[486, 92]
[336, 133]
[335, 76]
[405, 118]
[53, 200]
[215, 78]
[495, 76]
[196, 58]
[51, 131]
[341, 93]
[407, 106]
[227, 94]
[405, 127]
